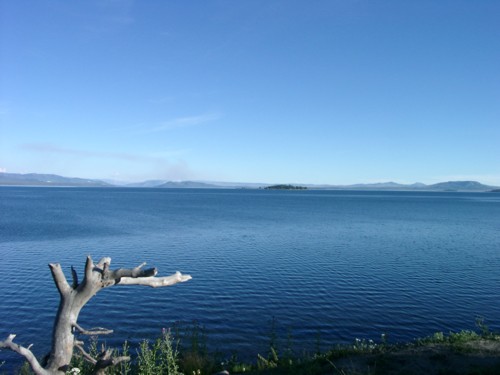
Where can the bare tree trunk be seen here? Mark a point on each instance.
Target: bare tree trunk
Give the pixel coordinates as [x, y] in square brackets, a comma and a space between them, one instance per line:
[73, 298]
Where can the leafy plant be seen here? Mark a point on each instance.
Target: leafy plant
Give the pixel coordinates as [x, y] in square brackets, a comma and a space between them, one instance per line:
[483, 327]
[160, 358]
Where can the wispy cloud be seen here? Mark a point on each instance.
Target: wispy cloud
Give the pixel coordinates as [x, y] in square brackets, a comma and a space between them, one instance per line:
[183, 122]
[111, 16]
[167, 165]
[162, 100]
[170, 153]
[160, 170]
[49, 148]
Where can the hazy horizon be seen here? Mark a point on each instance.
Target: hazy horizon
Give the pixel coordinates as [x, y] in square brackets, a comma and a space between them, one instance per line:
[262, 183]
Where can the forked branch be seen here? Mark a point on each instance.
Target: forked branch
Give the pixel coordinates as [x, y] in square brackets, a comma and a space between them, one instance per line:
[106, 360]
[75, 277]
[122, 272]
[86, 356]
[73, 298]
[59, 279]
[25, 352]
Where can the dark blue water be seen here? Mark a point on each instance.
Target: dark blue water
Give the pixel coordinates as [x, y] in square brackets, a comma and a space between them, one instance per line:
[337, 265]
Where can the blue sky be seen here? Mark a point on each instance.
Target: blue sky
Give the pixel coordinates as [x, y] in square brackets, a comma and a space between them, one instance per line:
[288, 91]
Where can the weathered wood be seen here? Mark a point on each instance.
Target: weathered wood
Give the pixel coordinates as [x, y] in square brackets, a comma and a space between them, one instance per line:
[72, 299]
[26, 353]
[93, 331]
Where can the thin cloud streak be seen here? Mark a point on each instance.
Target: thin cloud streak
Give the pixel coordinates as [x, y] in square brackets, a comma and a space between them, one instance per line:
[162, 100]
[48, 148]
[184, 122]
[152, 166]
[112, 16]
[127, 167]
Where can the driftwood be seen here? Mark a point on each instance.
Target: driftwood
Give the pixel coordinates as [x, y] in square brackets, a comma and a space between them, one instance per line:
[73, 298]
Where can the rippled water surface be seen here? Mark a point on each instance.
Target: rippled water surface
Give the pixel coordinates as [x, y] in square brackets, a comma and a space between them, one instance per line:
[330, 266]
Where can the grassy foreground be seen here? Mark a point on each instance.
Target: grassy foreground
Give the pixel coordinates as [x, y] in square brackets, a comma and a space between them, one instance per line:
[465, 352]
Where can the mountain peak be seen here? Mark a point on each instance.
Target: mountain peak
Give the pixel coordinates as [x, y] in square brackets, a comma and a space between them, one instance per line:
[460, 185]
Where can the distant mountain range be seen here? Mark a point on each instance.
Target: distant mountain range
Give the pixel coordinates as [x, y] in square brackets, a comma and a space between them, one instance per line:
[34, 179]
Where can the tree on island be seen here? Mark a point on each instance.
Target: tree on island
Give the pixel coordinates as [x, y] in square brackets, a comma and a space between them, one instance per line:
[72, 299]
[285, 187]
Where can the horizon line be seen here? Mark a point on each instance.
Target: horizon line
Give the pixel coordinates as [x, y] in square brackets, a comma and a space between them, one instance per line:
[230, 183]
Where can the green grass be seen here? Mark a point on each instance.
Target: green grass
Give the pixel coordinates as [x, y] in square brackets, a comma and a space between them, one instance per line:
[183, 350]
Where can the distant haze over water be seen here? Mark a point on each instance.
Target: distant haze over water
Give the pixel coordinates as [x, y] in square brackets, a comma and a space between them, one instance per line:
[36, 179]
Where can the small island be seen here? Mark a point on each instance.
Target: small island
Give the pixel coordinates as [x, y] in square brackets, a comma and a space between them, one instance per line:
[285, 187]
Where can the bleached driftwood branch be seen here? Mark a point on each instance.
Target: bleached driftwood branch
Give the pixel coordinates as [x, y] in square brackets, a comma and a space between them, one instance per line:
[93, 331]
[104, 360]
[86, 356]
[73, 298]
[26, 353]
[155, 282]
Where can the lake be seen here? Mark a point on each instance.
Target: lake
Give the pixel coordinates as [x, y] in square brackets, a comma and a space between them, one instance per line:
[328, 266]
